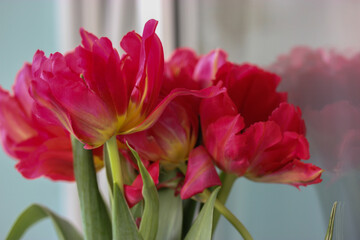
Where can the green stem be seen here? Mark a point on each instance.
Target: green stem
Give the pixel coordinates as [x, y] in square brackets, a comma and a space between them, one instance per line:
[233, 220]
[228, 215]
[115, 164]
[227, 181]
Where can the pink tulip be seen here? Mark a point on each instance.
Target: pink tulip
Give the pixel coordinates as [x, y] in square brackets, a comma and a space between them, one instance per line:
[41, 149]
[97, 94]
[252, 131]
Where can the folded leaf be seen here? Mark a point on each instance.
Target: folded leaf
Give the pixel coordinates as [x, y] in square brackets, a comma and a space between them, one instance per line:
[124, 226]
[35, 213]
[330, 230]
[133, 192]
[150, 219]
[202, 227]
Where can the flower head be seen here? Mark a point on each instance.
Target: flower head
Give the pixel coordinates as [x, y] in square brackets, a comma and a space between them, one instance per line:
[252, 131]
[41, 149]
[94, 92]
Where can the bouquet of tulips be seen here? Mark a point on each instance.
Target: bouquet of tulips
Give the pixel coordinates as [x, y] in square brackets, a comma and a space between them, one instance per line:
[167, 133]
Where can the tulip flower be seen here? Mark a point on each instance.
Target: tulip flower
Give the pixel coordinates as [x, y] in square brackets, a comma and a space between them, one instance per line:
[41, 149]
[96, 94]
[252, 131]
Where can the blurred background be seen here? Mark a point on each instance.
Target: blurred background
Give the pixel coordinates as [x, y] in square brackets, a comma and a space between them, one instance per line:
[326, 86]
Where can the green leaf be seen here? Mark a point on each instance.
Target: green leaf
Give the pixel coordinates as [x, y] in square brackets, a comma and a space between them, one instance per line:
[330, 230]
[95, 216]
[150, 219]
[202, 227]
[170, 214]
[35, 213]
[124, 226]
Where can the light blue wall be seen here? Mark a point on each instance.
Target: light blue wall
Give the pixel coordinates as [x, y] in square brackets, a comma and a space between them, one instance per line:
[25, 26]
[274, 212]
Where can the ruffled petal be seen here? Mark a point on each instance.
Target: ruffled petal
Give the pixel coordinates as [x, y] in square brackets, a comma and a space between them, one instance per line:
[226, 145]
[252, 89]
[52, 159]
[214, 108]
[101, 68]
[260, 137]
[288, 117]
[21, 89]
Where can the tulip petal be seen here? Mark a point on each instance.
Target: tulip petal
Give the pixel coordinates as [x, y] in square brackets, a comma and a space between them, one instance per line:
[216, 107]
[252, 89]
[150, 70]
[54, 162]
[156, 113]
[226, 145]
[295, 173]
[14, 123]
[178, 71]
[101, 68]
[88, 39]
[270, 150]
[260, 137]
[21, 89]
[208, 66]
[288, 117]
[200, 174]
